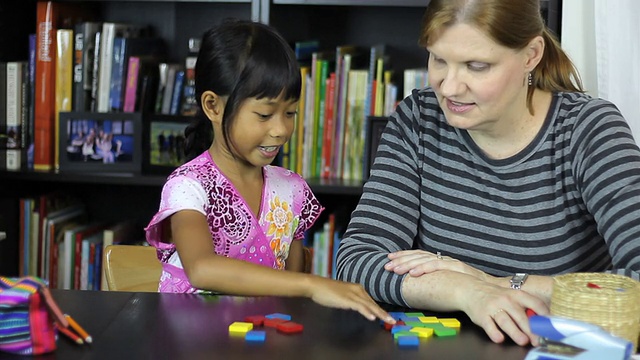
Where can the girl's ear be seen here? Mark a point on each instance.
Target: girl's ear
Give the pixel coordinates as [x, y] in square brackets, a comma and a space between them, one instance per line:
[212, 106]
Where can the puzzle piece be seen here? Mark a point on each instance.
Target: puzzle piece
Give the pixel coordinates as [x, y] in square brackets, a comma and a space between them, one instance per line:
[273, 323]
[278, 316]
[256, 320]
[290, 327]
[408, 341]
[423, 333]
[256, 336]
[240, 327]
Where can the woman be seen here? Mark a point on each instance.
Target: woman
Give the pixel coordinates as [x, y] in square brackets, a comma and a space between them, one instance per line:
[504, 166]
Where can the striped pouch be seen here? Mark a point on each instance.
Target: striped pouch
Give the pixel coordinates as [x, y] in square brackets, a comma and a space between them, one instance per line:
[27, 313]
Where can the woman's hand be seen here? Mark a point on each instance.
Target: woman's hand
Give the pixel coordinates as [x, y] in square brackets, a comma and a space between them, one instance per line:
[420, 262]
[345, 295]
[501, 312]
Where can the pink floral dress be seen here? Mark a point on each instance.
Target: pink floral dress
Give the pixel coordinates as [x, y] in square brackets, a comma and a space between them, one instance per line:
[288, 208]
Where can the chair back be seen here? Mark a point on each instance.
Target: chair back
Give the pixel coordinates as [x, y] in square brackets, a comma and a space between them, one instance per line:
[131, 268]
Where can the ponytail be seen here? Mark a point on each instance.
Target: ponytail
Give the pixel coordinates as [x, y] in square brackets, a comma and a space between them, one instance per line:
[198, 136]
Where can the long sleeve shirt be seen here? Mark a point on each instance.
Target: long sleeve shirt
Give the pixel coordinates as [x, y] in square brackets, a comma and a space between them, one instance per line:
[568, 202]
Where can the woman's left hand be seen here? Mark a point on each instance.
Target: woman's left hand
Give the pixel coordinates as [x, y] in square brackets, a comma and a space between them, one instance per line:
[420, 262]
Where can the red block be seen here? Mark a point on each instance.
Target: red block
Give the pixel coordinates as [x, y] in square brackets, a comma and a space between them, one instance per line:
[273, 323]
[256, 320]
[290, 327]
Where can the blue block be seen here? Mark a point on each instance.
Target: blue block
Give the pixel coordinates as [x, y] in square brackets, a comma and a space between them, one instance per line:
[255, 336]
[279, 316]
[408, 341]
[397, 328]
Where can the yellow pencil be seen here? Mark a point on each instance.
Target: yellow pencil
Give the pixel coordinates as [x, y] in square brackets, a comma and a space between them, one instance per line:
[83, 334]
[75, 338]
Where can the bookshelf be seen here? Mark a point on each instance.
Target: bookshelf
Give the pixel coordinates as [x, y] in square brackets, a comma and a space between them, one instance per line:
[113, 196]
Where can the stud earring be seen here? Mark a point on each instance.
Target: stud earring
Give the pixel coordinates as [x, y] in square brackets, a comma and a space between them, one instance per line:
[530, 79]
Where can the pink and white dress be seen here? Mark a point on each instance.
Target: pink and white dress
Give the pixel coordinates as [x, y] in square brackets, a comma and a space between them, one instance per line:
[288, 208]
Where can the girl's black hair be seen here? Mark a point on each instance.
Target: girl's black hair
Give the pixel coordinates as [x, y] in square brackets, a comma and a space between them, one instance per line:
[240, 59]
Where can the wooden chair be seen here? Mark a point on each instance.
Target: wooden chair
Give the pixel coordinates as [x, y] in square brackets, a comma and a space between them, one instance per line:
[131, 268]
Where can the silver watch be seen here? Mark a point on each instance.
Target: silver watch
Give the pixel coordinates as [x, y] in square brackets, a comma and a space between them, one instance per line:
[518, 280]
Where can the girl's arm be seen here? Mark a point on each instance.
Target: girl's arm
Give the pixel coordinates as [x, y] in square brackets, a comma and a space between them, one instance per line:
[206, 270]
[295, 260]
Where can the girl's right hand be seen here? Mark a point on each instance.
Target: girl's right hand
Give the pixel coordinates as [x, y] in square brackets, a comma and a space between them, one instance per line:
[346, 295]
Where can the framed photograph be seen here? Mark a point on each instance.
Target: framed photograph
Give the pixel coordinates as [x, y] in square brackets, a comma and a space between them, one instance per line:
[100, 142]
[375, 127]
[163, 143]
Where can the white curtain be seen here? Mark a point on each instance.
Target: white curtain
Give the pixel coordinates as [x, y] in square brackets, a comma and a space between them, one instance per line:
[602, 37]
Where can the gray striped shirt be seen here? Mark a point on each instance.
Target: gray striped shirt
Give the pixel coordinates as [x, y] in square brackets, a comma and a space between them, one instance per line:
[568, 202]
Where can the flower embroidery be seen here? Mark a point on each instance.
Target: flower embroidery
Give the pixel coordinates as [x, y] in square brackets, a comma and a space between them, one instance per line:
[279, 218]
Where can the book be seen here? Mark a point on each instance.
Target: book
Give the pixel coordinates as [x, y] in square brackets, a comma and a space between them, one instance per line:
[85, 232]
[29, 129]
[86, 268]
[4, 136]
[26, 207]
[110, 31]
[14, 113]
[55, 226]
[123, 49]
[64, 83]
[176, 96]
[167, 95]
[84, 50]
[50, 16]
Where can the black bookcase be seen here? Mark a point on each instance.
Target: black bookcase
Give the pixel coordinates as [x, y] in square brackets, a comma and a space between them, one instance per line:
[112, 197]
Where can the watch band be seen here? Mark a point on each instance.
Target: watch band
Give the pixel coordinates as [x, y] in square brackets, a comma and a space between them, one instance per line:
[518, 280]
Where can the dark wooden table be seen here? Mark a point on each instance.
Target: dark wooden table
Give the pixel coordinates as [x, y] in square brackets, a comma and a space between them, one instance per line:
[128, 325]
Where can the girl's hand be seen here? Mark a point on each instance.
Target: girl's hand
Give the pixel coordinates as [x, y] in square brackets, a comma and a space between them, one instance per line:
[420, 262]
[345, 295]
[501, 312]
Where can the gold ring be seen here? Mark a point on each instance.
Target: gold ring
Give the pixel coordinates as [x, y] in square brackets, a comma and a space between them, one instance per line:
[496, 313]
[439, 255]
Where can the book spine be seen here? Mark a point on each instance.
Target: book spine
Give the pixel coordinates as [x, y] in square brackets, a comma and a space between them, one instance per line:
[14, 100]
[25, 101]
[95, 72]
[131, 86]
[45, 86]
[118, 71]
[30, 130]
[177, 93]
[78, 79]
[64, 83]
[4, 136]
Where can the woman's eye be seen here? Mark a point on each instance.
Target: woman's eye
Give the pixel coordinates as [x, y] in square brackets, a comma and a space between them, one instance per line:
[476, 66]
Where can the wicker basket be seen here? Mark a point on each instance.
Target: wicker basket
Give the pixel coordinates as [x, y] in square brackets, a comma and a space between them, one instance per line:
[615, 306]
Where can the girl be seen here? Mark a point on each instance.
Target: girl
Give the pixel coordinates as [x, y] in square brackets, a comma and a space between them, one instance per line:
[228, 221]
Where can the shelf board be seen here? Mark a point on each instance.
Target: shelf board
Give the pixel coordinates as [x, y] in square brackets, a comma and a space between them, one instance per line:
[395, 3]
[318, 186]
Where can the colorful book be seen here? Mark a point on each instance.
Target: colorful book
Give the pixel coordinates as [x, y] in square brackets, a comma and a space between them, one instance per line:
[49, 17]
[64, 84]
[84, 49]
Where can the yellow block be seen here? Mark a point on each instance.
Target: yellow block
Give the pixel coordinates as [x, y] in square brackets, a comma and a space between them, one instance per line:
[423, 333]
[428, 319]
[450, 322]
[240, 327]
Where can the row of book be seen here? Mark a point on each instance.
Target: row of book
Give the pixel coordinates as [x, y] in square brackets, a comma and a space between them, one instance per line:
[78, 64]
[59, 243]
[341, 89]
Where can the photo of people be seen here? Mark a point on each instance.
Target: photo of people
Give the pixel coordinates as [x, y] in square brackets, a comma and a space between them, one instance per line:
[167, 143]
[100, 141]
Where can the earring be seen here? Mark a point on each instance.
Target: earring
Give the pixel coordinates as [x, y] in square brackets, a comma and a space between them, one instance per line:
[530, 79]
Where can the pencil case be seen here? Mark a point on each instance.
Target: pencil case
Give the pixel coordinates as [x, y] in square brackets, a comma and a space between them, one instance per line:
[27, 316]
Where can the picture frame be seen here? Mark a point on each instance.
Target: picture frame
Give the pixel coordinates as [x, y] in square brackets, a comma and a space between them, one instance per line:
[100, 142]
[375, 127]
[163, 143]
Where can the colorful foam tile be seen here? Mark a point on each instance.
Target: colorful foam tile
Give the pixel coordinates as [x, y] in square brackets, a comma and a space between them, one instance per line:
[397, 328]
[450, 322]
[408, 341]
[415, 323]
[256, 336]
[278, 316]
[445, 331]
[240, 327]
[400, 334]
[413, 314]
[428, 319]
[256, 320]
[396, 315]
[273, 323]
[422, 332]
[290, 327]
